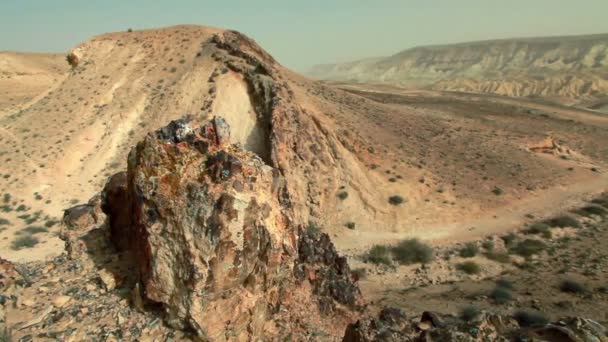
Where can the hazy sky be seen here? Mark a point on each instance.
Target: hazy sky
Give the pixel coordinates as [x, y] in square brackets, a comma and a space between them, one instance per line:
[302, 33]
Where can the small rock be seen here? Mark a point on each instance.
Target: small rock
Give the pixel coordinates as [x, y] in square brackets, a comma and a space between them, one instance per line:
[60, 301]
[108, 280]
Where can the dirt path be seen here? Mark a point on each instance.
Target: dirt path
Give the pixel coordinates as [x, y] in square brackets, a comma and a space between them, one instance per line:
[545, 203]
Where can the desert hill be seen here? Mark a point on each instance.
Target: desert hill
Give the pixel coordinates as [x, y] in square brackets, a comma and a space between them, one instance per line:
[241, 175]
[566, 68]
[25, 76]
[344, 154]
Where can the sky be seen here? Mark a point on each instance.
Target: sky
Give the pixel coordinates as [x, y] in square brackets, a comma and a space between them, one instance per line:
[300, 34]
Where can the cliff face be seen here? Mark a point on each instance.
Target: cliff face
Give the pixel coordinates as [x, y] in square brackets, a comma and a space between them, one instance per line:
[560, 66]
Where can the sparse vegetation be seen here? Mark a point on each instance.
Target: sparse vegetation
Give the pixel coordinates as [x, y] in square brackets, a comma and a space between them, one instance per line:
[504, 283]
[395, 200]
[529, 318]
[501, 295]
[4, 222]
[24, 242]
[469, 313]
[592, 210]
[469, 267]
[379, 254]
[488, 245]
[563, 221]
[350, 225]
[498, 256]
[33, 230]
[313, 228]
[343, 195]
[572, 286]
[469, 250]
[508, 239]
[412, 251]
[539, 229]
[528, 247]
[497, 191]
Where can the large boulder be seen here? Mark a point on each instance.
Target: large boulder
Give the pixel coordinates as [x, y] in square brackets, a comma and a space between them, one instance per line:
[215, 247]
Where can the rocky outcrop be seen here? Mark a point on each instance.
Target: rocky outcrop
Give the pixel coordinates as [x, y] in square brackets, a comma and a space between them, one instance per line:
[393, 325]
[215, 247]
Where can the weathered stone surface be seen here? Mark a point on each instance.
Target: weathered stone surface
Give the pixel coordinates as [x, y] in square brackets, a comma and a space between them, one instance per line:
[83, 231]
[115, 204]
[217, 250]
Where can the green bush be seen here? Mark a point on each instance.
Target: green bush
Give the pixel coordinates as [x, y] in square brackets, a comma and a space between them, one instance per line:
[34, 230]
[501, 295]
[24, 242]
[572, 286]
[395, 200]
[603, 201]
[469, 267]
[6, 198]
[4, 222]
[592, 210]
[379, 254]
[539, 229]
[563, 221]
[497, 191]
[469, 250]
[528, 247]
[412, 251]
[350, 225]
[469, 313]
[498, 257]
[529, 318]
[313, 228]
[504, 283]
[508, 239]
[488, 245]
[343, 195]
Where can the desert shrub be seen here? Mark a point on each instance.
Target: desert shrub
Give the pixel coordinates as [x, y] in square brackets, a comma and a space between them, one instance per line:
[501, 295]
[21, 207]
[395, 200]
[563, 221]
[488, 245]
[359, 273]
[313, 228]
[469, 313]
[412, 251]
[24, 242]
[50, 223]
[498, 256]
[6, 198]
[592, 210]
[4, 222]
[528, 247]
[469, 267]
[603, 201]
[572, 286]
[350, 225]
[34, 230]
[508, 239]
[342, 195]
[6, 208]
[379, 254]
[529, 318]
[469, 250]
[539, 229]
[504, 283]
[497, 191]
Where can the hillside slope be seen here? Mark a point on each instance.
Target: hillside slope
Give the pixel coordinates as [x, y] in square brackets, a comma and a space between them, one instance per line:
[24, 76]
[566, 67]
[386, 163]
